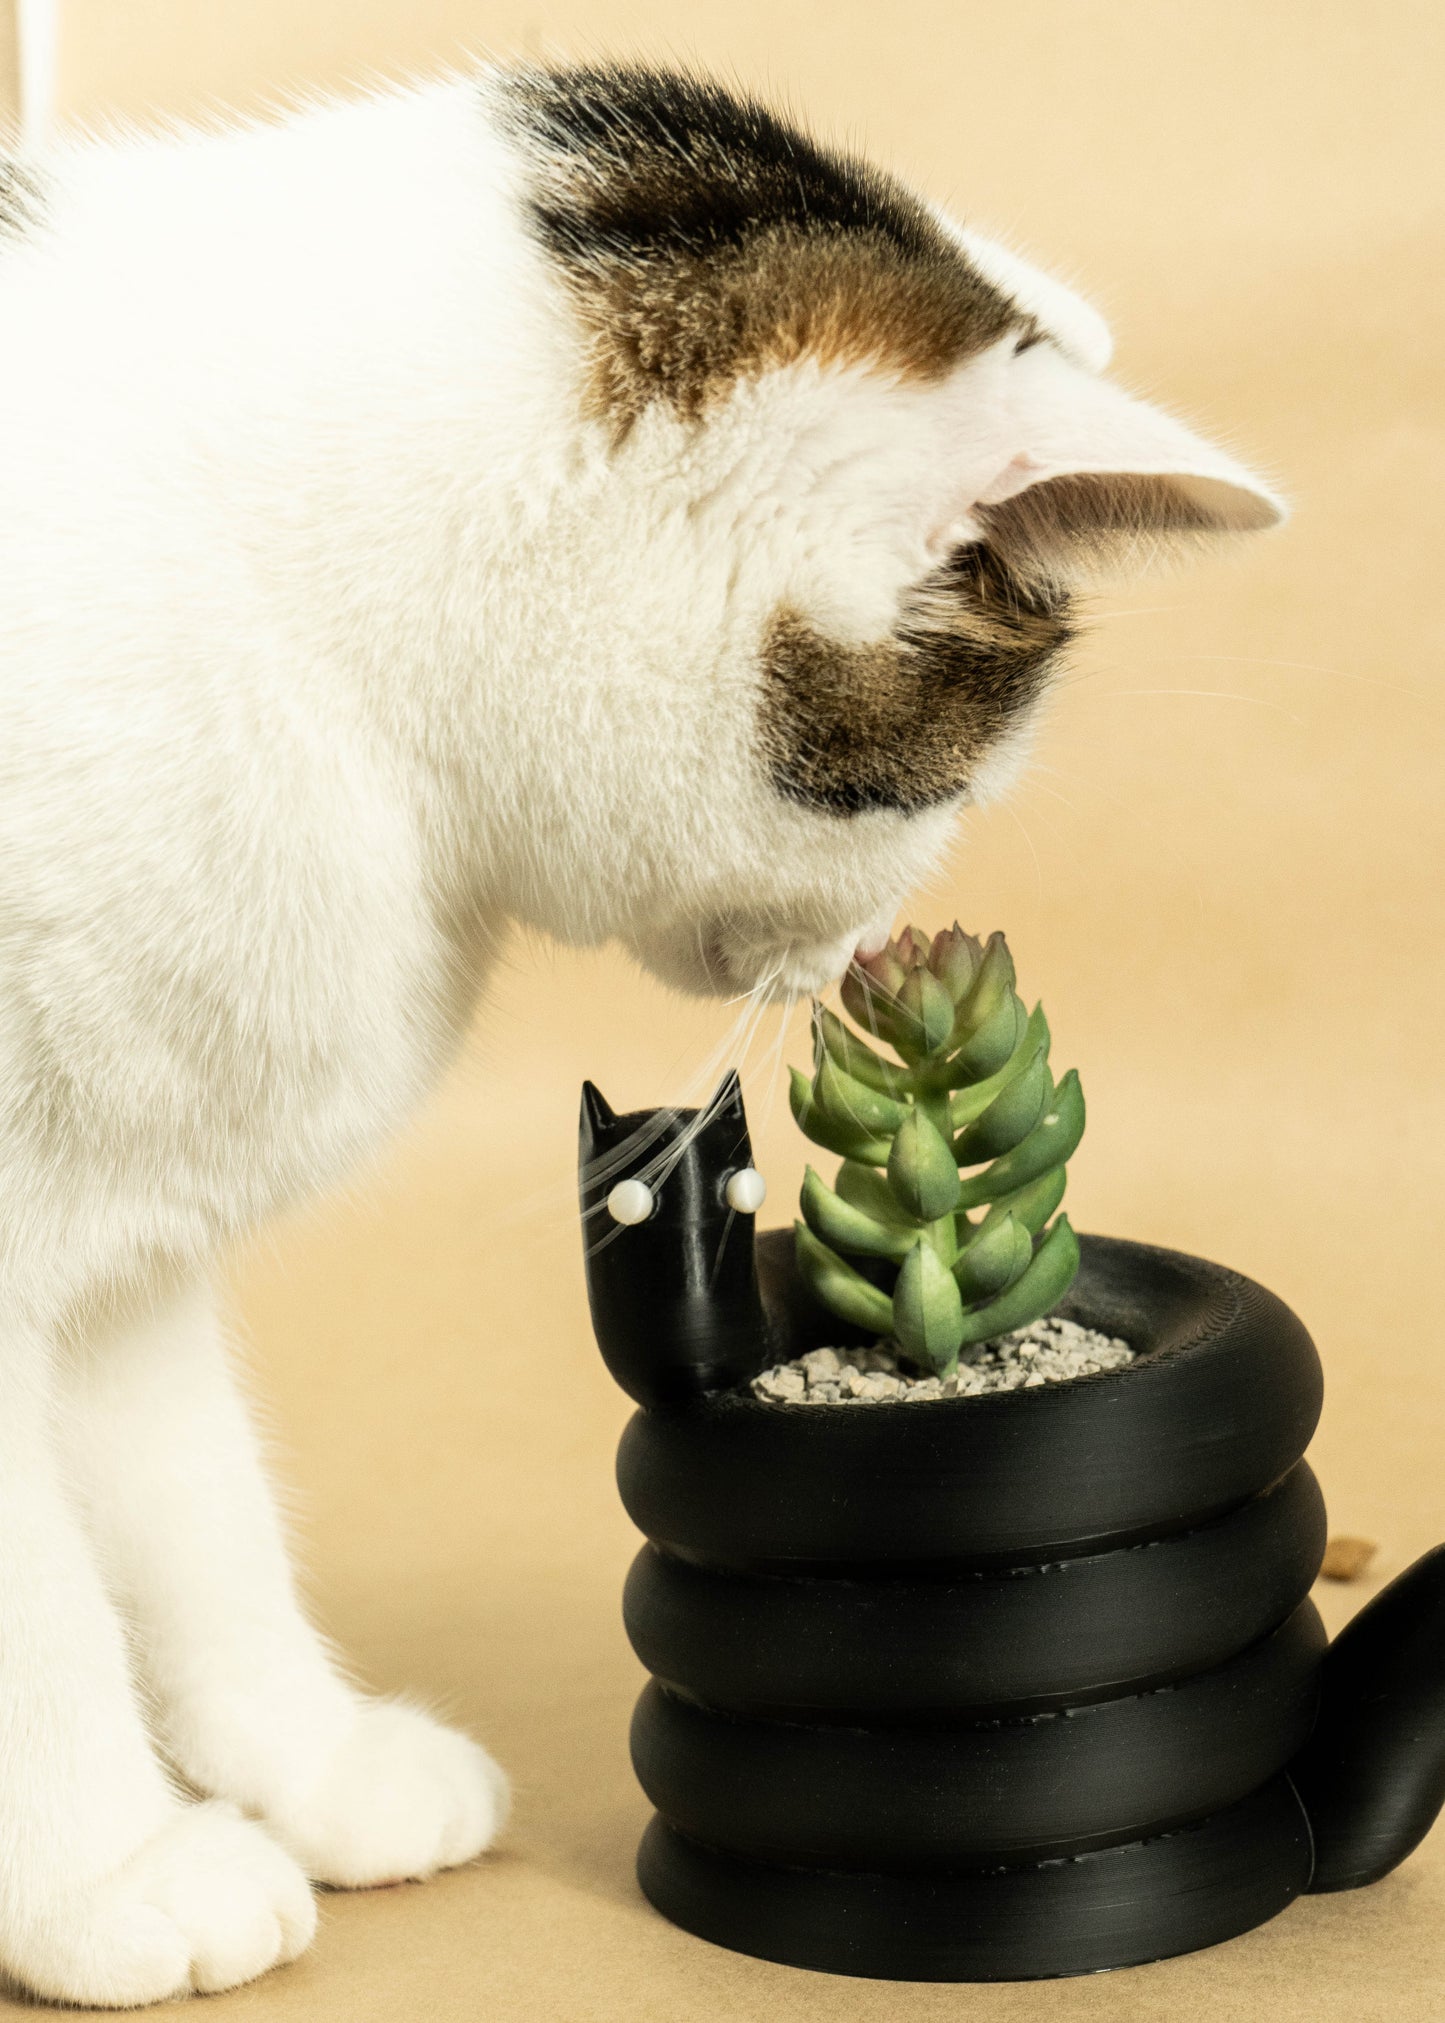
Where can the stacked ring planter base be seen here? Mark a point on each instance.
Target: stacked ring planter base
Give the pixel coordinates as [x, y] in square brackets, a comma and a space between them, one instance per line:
[1012, 1686]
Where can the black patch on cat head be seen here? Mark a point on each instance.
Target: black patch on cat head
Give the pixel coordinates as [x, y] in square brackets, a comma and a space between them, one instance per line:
[22, 199]
[675, 1301]
[902, 723]
[706, 239]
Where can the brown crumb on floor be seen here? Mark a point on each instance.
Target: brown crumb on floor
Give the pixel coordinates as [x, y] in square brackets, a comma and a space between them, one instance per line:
[1347, 1558]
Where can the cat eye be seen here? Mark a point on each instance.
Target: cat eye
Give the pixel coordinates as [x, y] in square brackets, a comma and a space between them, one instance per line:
[631, 1201]
[746, 1191]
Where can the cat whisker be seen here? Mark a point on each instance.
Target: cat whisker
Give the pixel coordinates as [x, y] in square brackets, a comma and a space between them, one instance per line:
[722, 1247]
[1205, 695]
[779, 1048]
[655, 1171]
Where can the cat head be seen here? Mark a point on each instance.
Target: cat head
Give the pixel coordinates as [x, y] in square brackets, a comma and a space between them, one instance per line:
[842, 468]
[668, 1202]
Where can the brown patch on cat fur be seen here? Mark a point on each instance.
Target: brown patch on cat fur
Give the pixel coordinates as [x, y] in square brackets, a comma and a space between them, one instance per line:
[902, 723]
[705, 240]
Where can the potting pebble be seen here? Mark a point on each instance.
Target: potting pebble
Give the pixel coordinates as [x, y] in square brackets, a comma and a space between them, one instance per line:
[1046, 1352]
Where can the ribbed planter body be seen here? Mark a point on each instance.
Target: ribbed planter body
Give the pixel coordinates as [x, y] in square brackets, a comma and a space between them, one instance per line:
[994, 1687]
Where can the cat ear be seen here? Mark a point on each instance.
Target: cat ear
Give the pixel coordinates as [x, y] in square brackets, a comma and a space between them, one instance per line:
[598, 1118]
[1099, 478]
[1074, 324]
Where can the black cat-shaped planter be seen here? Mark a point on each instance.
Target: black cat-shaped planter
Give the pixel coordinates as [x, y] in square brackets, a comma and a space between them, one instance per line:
[989, 1688]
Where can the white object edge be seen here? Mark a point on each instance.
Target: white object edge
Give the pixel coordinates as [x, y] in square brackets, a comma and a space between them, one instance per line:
[37, 38]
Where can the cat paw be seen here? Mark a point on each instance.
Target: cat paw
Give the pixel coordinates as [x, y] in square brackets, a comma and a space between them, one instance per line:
[400, 1798]
[208, 1902]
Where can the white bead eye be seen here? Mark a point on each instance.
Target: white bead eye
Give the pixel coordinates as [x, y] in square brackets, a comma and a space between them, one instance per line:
[747, 1191]
[630, 1201]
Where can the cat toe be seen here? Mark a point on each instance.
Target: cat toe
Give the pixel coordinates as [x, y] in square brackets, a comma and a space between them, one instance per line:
[207, 1903]
[400, 1798]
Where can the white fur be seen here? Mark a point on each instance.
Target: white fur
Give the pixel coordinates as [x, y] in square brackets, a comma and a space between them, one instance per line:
[331, 641]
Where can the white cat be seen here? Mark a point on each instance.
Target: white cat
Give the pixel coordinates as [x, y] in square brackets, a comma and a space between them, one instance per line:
[570, 498]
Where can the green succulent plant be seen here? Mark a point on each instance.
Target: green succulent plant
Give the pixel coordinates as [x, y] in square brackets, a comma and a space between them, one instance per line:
[968, 1118]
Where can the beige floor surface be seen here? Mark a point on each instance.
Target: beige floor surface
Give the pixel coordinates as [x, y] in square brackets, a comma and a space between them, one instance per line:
[1223, 877]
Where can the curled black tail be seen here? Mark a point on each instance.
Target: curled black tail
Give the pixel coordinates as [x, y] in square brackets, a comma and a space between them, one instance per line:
[1372, 1776]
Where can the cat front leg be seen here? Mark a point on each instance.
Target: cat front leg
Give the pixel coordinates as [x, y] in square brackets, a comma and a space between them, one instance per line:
[251, 1705]
[113, 1890]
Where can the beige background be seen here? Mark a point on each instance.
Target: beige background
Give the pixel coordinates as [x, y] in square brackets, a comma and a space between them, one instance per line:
[1222, 877]
[9, 79]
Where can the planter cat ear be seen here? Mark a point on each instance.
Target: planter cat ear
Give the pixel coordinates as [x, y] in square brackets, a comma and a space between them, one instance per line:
[670, 1271]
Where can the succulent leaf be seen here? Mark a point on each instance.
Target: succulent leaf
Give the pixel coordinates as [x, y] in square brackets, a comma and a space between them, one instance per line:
[844, 1227]
[887, 969]
[971, 1098]
[853, 1104]
[928, 1316]
[997, 1255]
[995, 1040]
[994, 981]
[846, 1292]
[923, 1020]
[1009, 1117]
[1052, 1141]
[862, 1188]
[954, 959]
[1043, 1285]
[856, 1058]
[868, 1001]
[922, 1170]
[824, 1130]
[1033, 1203]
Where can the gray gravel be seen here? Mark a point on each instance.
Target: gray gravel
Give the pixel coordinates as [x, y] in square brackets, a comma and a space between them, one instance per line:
[1048, 1352]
